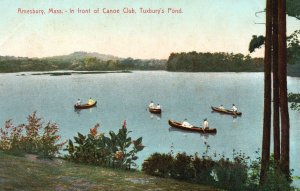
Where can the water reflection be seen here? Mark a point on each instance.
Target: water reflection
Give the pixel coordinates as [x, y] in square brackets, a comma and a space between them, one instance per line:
[155, 115]
[203, 135]
[233, 116]
[78, 111]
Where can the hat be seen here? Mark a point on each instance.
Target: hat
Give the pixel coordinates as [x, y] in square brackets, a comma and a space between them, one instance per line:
[205, 119]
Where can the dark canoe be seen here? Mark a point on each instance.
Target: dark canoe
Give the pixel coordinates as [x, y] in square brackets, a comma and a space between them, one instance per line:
[85, 106]
[226, 111]
[153, 110]
[178, 125]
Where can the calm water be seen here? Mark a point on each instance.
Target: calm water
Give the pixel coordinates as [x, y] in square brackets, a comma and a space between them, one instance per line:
[126, 96]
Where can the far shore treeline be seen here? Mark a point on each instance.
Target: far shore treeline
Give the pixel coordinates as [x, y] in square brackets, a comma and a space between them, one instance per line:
[78, 61]
[213, 62]
[180, 62]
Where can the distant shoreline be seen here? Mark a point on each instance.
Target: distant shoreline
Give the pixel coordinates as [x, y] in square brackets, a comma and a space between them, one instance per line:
[95, 63]
[79, 72]
[62, 73]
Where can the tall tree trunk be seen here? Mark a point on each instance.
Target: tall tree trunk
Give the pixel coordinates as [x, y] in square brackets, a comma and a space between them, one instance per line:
[267, 96]
[284, 112]
[276, 126]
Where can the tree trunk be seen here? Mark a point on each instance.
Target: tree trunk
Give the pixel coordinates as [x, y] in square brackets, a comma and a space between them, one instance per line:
[267, 96]
[284, 112]
[276, 126]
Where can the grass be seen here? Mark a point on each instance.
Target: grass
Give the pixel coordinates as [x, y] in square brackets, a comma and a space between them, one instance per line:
[29, 173]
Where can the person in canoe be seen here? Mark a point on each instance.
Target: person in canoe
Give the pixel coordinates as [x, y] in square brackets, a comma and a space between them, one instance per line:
[91, 101]
[151, 105]
[221, 107]
[186, 124]
[78, 102]
[205, 124]
[158, 106]
[234, 108]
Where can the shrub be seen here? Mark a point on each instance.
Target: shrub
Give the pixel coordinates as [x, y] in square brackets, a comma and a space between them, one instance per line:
[158, 165]
[33, 138]
[116, 151]
[275, 179]
[236, 174]
[183, 167]
[203, 168]
[294, 98]
[231, 175]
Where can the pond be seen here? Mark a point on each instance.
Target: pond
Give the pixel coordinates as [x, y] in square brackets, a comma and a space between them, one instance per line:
[123, 96]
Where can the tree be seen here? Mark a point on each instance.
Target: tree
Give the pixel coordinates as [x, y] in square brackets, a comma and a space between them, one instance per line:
[265, 158]
[256, 42]
[282, 75]
[293, 52]
[276, 56]
[293, 8]
[276, 126]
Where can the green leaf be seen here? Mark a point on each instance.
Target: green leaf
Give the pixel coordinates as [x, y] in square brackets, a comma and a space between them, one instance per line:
[78, 140]
[127, 144]
[128, 139]
[139, 148]
[113, 135]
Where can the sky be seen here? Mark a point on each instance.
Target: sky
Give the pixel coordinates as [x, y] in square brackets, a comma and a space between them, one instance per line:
[202, 26]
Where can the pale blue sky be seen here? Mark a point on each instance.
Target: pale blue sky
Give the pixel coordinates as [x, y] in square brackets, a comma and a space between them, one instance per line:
[204, 25]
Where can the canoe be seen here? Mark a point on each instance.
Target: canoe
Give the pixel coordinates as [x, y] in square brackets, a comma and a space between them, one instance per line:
[178, 125]
[153, 110]
[85, 106]
[226, 111]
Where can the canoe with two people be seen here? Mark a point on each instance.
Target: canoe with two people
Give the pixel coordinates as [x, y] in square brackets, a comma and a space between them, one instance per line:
[186, 124]
[154, 109]
[188, 127]
[89, 104]
[222, 109]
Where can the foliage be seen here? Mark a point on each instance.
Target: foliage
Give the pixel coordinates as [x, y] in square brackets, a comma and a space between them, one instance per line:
[115, 151]
[77, 61]
[33, 138]
[232, 175]
[217, 62]
[223, 173]
[293, 47]
[158, 165]
[293, 8]
[294, 98]
[238, 173]
[275, 179]
[256, 42]
[183, 167]
[203, 168]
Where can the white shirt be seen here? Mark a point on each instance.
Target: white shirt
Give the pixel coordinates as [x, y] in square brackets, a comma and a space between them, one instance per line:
[221, 107]
[186, 124]
[151, 105]
[234, 108]
[205, 124]
[158, 107]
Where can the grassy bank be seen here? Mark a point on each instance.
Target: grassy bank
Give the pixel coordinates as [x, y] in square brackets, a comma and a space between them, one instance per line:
[29, 173]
